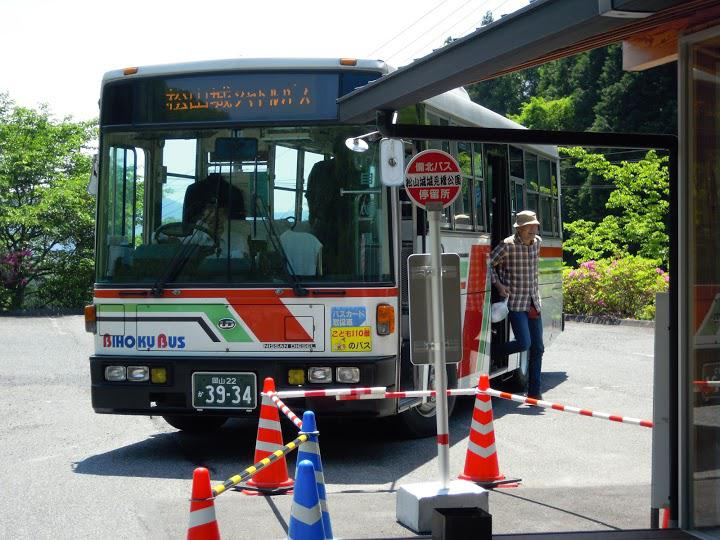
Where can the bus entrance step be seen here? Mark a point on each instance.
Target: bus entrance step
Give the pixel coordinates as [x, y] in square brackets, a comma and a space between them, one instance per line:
[405, 403]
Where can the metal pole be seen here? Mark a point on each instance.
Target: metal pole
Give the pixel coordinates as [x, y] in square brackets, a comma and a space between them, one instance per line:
[438, 332]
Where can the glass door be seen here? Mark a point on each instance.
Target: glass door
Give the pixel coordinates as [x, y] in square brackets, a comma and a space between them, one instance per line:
[700, 285]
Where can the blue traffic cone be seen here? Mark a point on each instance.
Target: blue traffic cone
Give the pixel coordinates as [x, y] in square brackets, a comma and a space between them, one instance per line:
[305, 515]
[310, 450]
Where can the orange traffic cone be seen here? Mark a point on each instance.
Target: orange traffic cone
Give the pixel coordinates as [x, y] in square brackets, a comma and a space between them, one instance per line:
[665, 513]
[203, 525]
[273, 479]
[481, 463]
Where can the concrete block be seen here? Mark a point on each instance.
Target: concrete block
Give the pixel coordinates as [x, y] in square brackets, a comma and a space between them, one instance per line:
[415, 503]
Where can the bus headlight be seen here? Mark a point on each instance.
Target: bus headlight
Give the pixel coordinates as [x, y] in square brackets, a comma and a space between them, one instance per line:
[115, 373]
[320, 374]
[138, 373]
[347, 375]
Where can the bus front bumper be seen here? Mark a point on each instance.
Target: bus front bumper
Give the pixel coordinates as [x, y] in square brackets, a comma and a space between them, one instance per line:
[173, 397]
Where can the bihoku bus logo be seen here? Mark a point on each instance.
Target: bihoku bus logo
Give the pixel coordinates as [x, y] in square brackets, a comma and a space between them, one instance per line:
[226, 324]
[162, 341]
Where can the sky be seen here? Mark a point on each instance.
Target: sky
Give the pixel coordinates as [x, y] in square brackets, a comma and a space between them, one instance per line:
[56, 51]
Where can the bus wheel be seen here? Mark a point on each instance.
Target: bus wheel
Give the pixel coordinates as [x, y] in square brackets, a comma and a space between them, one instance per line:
[196, 424]
[518, 380]
[419, 421]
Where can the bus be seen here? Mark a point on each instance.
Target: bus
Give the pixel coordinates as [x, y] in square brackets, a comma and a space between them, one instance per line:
[240, 237]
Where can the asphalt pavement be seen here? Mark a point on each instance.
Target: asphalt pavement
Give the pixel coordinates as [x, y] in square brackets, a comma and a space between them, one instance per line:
[69, 473]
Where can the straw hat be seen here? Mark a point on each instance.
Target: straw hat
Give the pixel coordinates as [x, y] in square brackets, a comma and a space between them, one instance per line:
[526, 217]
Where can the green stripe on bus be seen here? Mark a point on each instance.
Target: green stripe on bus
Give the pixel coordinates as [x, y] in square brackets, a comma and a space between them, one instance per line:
[464, 266]
[484, 345]
[110, 308]
[550, 263]
[214, 312]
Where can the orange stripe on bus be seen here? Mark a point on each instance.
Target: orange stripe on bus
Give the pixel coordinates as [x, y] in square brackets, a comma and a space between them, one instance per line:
[246, 295]
[551, 251]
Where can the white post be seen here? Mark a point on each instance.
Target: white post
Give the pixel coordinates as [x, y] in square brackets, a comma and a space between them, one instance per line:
[438, 333]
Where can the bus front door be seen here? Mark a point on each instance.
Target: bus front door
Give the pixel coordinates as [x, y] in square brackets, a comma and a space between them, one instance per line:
[498, 181]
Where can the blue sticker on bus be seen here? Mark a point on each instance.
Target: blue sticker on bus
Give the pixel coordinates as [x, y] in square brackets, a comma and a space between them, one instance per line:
[348, 316]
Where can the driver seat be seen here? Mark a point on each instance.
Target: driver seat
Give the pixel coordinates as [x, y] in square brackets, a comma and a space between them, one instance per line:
[212, 192]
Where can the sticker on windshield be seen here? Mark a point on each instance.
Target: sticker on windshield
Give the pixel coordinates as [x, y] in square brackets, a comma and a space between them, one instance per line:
[348, 316]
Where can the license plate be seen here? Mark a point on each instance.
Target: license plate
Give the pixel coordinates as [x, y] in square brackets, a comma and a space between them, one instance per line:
[224, 390]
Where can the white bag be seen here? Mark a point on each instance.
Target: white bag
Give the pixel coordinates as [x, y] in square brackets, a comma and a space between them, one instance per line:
[499, 310]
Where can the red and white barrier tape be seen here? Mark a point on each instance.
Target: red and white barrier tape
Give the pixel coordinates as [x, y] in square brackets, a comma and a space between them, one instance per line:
[705, 385]
[379, 392]
[375, 392]
[568, 408]
[285, 410]
[329, 392]
[412, 394]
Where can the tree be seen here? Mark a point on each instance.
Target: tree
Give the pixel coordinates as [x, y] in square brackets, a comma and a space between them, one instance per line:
[46, 214]
[640, 102]
[504, 95]
[541, 113]
[638, 206]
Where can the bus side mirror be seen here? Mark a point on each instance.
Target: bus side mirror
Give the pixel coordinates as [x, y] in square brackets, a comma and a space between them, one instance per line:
[92, 187]
[392, 162]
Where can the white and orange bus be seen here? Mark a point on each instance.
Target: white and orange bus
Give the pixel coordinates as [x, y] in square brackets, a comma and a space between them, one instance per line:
[239, 238]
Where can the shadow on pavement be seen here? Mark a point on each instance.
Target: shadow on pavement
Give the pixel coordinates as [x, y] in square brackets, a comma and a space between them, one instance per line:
[376, 447]
[501, 407]
[536, 502]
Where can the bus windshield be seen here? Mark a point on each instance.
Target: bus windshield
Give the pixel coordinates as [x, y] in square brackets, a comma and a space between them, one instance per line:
[256, 206]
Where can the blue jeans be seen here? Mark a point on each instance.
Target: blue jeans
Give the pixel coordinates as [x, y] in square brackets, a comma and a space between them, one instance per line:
[528, 335]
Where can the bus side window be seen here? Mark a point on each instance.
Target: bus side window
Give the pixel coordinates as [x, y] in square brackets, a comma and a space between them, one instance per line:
[179, 158]
[124, 205]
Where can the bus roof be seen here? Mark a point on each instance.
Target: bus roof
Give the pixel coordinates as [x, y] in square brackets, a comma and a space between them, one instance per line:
[456, 103]
[248, 64]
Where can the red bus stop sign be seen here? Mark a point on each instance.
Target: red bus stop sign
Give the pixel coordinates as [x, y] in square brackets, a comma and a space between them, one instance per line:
[433, 176]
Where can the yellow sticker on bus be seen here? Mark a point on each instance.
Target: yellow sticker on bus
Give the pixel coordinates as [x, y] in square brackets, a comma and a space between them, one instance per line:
[351, 339]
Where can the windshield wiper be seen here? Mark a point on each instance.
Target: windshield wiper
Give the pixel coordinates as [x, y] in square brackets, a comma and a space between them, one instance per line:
[297, 287]
[177, 263]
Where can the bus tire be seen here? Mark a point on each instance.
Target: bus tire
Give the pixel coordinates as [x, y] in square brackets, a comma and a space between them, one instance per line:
[195, 424]
[419, 422]
[519, 378]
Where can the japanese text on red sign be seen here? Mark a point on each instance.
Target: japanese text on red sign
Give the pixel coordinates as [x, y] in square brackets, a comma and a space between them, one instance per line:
[434, 166]
[433, 194]
[433, 180]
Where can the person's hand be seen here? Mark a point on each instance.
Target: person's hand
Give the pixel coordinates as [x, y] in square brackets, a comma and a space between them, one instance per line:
[502, 289]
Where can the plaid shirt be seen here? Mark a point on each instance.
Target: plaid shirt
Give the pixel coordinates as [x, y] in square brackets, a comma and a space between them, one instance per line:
[516, 266]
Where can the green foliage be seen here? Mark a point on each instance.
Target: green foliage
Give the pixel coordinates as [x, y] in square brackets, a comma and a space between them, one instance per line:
[602, 97]
[46, 214]
[638, 101]
[623, 288]
[505, 95]
[639, 209]
[541, 113]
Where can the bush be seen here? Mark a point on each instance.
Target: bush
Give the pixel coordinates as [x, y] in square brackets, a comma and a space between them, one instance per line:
[623, 288]
[70, 286]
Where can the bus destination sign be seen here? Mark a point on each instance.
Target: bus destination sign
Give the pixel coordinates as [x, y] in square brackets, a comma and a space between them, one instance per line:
[250, 96]
[433, 176]
[223, 97]
[226, 97]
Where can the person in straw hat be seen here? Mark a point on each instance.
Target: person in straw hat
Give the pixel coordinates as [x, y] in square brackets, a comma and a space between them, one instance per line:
[514, 272]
